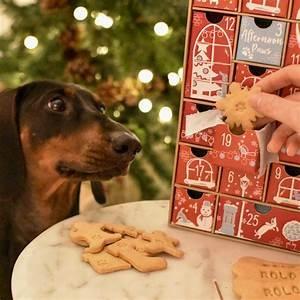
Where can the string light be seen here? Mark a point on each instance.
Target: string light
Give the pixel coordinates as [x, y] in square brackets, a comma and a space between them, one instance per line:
[165, 114]
[116, 114]
[145, 105]
[80, 13]
[174, 78]
[145, 76]
[104, 21]
[161, 28]
[167, 139]
[180, 73]
[102, 50]
[31, 42]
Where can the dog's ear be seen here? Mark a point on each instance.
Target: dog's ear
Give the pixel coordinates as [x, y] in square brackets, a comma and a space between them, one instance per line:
[12, 166]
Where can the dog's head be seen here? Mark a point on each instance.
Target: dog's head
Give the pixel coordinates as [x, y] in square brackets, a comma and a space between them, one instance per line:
[61, 129]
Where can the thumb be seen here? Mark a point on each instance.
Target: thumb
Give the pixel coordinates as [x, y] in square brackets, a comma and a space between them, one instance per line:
[277, 108]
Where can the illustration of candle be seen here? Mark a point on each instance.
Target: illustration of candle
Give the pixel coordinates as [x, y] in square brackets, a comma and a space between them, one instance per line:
[244, 183]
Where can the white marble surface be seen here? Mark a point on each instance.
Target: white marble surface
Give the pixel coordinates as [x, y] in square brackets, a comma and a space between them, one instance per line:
[50, 267]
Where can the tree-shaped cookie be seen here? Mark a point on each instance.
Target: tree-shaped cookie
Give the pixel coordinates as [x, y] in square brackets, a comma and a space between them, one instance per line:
[92, 235]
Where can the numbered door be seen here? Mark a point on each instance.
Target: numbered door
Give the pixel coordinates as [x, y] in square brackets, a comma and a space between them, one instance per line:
[210, 56]
[195, 168]
[261, 41]
[193, 209]
[241, 184]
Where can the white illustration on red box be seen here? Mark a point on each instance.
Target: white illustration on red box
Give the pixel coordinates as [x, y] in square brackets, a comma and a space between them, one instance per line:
[235, 182]
[266, 227]
[262, 6]
[288, 191]
[291, 231]
[204, 82]
[199, 172]
[205, 218]
[228, 218]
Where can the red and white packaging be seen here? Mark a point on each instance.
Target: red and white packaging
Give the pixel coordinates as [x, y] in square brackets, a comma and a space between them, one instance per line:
[245, 152]
[283, 157]
[259, 223]
[193, 209]
[292, 55]
[241, 184]
[249, 75]
[296, 10]
[195, 168]
[203, 138]
[210, 55]
[284, 186]
[217, 4]
[270, 225]
[276, 8]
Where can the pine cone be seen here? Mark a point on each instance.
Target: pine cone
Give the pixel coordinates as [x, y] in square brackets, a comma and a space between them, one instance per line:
[131, 90]
[79, 68]
[47, 6]
[70, 37]
[109, 92]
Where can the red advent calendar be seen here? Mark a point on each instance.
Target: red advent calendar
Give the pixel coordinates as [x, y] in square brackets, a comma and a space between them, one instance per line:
[224, 183]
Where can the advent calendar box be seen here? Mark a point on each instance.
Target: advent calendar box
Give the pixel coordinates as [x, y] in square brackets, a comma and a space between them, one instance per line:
[226, 183]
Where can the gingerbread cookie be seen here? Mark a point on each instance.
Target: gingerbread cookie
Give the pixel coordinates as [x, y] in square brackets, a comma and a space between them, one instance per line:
[93, 235]
[123, 229]
[161, 242]
[132, 251]
[103, 262]
[236, 108]
[257, 279]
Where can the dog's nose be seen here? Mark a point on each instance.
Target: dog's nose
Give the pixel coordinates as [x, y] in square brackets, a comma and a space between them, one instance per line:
[126, 144]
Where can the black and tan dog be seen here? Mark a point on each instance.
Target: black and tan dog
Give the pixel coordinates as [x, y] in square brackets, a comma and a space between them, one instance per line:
[52, 137]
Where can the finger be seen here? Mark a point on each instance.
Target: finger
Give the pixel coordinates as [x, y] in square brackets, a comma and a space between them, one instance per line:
[279, 138]
[293, 97]
[293, 145]
[277, 108]
[284, 77]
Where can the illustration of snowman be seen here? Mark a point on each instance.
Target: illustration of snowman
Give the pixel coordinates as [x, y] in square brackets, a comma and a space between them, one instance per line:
[205, 218]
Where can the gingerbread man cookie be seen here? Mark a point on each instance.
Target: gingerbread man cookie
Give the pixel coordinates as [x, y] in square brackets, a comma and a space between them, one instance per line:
[93, 235]
[161, 242]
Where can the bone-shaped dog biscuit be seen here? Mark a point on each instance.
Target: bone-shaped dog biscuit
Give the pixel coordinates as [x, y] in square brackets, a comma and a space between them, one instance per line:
[93, 235]
[257, 279]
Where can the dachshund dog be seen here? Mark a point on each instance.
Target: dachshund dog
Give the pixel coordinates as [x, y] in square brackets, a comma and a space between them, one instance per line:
[53, 136]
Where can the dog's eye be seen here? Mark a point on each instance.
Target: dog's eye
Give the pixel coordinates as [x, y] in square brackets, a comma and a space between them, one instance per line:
[57, 105]
[101, 108]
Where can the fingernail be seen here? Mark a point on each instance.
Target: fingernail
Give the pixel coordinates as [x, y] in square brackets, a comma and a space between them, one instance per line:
[255, 100]
[270, 148]
[290, 152]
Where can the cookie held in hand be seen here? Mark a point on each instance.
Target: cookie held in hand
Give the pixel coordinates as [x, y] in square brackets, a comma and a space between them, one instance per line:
[237, 109]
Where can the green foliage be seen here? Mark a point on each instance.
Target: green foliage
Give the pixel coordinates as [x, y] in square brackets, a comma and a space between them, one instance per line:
[132, 46]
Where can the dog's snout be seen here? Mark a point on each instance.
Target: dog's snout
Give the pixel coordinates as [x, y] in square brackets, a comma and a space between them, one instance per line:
[126, 144]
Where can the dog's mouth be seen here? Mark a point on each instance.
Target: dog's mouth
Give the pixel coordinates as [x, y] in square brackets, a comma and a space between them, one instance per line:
[69, 170]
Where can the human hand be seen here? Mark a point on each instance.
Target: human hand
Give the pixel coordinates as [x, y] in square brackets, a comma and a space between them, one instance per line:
[285, 110]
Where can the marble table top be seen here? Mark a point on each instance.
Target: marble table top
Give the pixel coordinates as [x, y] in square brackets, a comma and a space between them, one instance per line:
[51, 268]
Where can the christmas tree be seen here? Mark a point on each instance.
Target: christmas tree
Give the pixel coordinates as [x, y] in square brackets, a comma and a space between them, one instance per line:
[129, 52]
